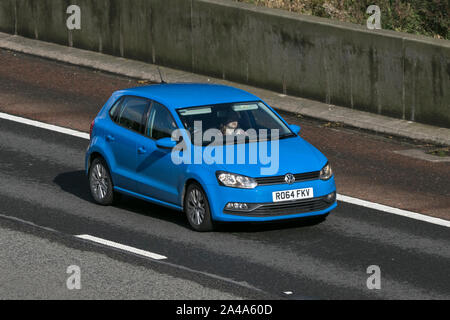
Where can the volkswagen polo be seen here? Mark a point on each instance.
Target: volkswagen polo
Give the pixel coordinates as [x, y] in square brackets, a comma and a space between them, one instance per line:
[215, 152]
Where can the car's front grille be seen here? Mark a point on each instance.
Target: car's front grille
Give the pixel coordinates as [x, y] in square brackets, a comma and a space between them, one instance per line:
[264, 181]
[292, 207]
[285, 208]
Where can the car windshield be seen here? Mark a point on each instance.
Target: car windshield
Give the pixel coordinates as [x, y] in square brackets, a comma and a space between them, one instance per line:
[248, 121]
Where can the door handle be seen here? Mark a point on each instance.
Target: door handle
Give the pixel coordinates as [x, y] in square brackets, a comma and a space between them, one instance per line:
[110, 138]
[141, 150]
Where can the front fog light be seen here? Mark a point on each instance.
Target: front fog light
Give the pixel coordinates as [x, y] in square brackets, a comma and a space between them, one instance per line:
[236, 206]
[331, 198]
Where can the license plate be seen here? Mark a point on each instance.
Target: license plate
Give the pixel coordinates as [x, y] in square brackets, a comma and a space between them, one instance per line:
[296, 194]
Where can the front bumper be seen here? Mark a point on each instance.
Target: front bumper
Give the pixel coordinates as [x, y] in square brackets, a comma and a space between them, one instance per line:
[271, 209]
[261, 207]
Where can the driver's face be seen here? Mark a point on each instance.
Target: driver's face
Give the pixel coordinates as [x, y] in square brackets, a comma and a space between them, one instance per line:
[232, 125]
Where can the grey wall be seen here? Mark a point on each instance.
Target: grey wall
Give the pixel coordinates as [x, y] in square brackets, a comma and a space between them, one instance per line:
[384, 72]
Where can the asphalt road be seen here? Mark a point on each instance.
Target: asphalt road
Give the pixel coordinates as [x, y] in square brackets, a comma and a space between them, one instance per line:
[43, 184]
[35, 265]
[45, 201]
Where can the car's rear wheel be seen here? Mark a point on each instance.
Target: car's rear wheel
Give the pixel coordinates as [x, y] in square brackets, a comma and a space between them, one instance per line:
[100, 182]
[196, 207]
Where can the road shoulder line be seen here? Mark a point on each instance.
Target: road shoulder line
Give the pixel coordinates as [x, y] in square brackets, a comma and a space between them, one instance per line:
[122, 247]
[46, 126]
[396, 211]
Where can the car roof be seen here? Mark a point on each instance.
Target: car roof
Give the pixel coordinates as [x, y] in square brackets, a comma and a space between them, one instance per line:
[183, 95]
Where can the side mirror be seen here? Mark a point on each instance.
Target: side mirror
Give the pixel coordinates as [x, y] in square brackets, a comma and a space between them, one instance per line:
[295, 128]
[166, 143]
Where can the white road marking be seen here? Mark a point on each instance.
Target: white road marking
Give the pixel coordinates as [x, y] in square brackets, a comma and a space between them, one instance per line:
[288, 292]
[399, 212]
[123, 247]
[43, 125]
[340, 197]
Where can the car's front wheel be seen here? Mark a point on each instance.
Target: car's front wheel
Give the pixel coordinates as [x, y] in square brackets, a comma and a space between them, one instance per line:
[100, 182]
[196, 207]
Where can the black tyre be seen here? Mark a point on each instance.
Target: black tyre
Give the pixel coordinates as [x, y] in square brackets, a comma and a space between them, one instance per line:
[100, 182]
[196, 207]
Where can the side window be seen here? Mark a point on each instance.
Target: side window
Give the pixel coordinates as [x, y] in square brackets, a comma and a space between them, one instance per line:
[160, 122]
[132, 114]
[114, 111]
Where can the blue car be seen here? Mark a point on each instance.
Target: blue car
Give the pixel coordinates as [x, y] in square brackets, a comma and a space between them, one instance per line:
[215, 152]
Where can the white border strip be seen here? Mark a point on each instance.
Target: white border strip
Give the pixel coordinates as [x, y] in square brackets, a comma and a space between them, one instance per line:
[123, 247]
[43, 125]
[340, 197]
[399, 212]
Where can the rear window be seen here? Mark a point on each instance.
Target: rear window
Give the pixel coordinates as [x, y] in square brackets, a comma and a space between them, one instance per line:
[114, 112]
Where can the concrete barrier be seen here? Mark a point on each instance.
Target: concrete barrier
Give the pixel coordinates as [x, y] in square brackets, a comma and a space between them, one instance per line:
[384, 72]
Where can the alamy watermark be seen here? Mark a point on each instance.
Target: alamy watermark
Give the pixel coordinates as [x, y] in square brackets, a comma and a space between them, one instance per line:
[374, 21]
[374, 280]
[74, 280]
[73, 22]
[237, 146]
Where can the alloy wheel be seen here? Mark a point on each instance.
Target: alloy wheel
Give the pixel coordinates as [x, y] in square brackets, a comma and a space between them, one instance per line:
[196, 207]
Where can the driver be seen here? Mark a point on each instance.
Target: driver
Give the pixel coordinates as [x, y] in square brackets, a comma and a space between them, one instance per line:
[232, 126]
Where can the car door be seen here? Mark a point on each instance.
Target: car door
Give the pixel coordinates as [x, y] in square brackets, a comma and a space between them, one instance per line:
[159, 176]
[130, 119]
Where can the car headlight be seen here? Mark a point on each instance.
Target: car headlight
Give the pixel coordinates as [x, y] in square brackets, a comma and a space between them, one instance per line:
[235, 180]
[326, 172]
